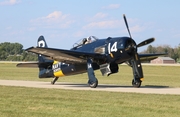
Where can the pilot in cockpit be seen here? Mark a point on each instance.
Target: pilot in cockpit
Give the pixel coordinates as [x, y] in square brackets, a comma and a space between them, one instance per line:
[87, 40]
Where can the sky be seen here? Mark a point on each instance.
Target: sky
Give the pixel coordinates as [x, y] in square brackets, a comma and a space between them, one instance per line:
[64, 22]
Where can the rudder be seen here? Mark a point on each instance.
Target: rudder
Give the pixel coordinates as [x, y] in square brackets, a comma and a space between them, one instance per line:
[45, 65]
[41, 43]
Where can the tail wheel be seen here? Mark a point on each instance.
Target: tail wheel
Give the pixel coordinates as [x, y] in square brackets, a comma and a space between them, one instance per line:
[93, 84]
[136, 83]
[54, 80]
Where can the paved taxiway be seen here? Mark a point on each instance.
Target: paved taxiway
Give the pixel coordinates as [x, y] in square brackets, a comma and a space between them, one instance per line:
[101, 87]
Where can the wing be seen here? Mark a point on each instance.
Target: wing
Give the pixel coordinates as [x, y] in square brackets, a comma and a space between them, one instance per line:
[67, 56]
[148, 57]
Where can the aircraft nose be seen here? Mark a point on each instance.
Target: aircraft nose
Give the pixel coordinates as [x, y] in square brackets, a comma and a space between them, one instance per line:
[130, 46]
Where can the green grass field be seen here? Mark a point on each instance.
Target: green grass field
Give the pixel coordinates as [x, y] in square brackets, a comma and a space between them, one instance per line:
[153, 75]
[36, 102]
[32, 102]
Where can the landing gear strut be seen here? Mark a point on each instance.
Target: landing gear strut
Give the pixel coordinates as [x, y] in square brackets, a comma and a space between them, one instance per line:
[137, 71]
[54, 80]
[93, 82]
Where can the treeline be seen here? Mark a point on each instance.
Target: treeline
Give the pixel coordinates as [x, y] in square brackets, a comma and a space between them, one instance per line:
[171, 52]
[14, 52]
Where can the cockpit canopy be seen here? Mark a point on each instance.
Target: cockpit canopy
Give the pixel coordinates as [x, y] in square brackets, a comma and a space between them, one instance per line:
[85, 41]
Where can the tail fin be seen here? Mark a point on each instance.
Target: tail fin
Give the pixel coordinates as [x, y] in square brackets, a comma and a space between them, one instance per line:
[45, 65]
[41, 43]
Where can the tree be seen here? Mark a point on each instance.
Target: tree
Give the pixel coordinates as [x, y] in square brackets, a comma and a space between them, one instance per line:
[14, 52]
[171, 52]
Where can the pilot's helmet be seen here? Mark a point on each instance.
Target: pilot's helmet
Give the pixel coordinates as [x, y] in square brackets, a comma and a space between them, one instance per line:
[89, 39]
[84, 40]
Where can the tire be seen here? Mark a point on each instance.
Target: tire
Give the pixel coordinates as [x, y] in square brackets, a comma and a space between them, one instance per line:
[93, 84]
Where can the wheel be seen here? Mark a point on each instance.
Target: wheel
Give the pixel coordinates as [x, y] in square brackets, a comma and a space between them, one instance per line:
[136, 83]
[93, 84]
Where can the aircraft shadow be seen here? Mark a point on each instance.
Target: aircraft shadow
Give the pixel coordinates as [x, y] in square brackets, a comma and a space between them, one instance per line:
[110, 85]
[154, 86]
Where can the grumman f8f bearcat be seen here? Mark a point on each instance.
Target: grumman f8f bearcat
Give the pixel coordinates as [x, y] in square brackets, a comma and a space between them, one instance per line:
[91, 54]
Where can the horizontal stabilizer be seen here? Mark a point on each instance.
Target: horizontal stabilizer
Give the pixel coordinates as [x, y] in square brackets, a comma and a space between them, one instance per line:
[28, 64]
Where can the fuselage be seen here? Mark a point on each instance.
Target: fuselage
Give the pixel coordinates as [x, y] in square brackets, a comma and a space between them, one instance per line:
[117, 50]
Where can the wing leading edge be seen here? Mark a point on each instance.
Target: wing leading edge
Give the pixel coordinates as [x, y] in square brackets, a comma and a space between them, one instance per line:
[67, 56]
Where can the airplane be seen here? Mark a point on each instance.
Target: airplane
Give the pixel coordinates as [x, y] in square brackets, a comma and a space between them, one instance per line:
[91, 54]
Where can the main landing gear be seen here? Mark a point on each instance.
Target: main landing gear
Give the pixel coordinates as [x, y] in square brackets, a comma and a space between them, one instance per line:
[137, 71]
[136, 83]
[93, 82]
[54, 80]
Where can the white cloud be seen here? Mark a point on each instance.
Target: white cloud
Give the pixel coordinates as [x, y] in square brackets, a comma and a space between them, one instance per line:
[8, 28]
[97, 16]
[137, 28]
[112, 6]
[16, 32]
[104, 24]
[177, 35]
[159, 30]
[174, 32]
[31, 29]
[100, 16]
[56, 18]
[79, 34]
[10, 2]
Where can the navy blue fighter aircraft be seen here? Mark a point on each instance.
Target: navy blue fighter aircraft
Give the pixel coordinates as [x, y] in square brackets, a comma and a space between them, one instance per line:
[91, 54]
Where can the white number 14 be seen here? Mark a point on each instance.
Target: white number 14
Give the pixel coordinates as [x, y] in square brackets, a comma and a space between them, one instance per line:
[112, 48]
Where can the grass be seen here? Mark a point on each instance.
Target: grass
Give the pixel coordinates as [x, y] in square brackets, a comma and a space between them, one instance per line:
[32, 102]
[153, 75]
[37, 102]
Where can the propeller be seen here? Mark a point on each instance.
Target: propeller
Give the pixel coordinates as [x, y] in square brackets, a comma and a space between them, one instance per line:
[145, 42]
[125, 20]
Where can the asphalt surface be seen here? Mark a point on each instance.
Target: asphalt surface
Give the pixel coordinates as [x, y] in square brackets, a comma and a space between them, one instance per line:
[101, 87]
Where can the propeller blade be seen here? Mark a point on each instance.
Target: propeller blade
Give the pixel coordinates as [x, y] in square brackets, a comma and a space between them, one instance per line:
[125, 20]
[148, 41]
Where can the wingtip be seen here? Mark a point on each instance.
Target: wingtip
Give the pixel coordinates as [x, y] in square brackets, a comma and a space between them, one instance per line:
[30, 48]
